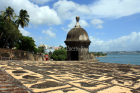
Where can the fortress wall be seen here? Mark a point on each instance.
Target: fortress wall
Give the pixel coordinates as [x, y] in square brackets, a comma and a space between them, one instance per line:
[23, 55]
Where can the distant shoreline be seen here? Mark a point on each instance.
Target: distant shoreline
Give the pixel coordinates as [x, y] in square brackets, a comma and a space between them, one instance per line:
[100, 56]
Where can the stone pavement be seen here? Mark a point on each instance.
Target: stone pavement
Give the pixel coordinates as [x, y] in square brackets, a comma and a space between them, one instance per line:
[75, 76]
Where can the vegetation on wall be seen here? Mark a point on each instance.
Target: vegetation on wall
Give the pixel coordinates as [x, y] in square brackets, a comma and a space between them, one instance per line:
[41, 50]
[26, 43]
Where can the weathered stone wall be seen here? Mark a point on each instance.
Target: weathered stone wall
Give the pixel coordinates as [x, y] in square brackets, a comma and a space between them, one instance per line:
[23, 55]
[83, 54]
[91, 56]
[43, 58]
[68, 55]
[39, 58]
[35, 57]
[30, 56]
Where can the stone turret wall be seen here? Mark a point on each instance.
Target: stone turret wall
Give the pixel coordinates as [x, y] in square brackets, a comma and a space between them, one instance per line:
[91, 56]
[23, 55]
[83, 54]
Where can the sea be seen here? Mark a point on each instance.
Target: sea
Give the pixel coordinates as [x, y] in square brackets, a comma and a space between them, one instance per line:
[121, 59]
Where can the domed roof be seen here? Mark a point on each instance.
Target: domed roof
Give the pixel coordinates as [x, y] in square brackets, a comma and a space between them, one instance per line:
[77, 33]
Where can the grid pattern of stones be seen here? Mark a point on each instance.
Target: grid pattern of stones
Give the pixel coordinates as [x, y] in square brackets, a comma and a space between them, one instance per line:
[8, 84]
[89, 77]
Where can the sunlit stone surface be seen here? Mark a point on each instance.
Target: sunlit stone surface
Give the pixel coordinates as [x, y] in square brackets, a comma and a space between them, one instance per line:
[75, 76]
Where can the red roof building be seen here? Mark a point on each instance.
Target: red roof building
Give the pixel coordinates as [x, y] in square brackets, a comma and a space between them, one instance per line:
[56, 48]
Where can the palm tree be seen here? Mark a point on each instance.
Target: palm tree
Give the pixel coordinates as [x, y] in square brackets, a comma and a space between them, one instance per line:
[8, 14]
[23, 19]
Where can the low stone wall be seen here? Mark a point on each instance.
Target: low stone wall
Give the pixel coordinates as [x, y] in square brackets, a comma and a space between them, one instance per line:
[30, 56]
[23, 55]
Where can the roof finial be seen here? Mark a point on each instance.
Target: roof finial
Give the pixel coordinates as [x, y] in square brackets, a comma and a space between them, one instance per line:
[77, 24]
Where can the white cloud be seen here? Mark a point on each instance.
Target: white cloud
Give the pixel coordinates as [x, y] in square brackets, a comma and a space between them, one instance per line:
[97, 9]
[38, 15]
[52, 28]
[24, 32]
[97, 23]
[35, 26]
[72, 24]
[114, 8]
[82, 23]
[40, 38]
[63, 44]
[67, 9]
[129, 42]
[49, 32]
[40, 1]
[46, 38]
[67, 30]
[35, 40]
[40, 43]
[99, 26]
[29, 26]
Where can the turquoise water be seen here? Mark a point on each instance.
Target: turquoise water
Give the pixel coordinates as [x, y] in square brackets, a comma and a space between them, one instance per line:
[121, 58]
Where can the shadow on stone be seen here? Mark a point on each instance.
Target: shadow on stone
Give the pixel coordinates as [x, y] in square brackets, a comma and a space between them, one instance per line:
[47, 85]
[66, 90]
[108, 80]
[19, 71]
[121, 82]
[93, 76]
[84, 84]
[136, 78]
[135, 90]
[48, 77]
[29, 82]
[124, 68]
[29, 77]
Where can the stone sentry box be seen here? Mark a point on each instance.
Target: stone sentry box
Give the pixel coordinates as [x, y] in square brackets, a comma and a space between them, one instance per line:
[77, 43]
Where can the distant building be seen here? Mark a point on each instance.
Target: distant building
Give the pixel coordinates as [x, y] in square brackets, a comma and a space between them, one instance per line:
[49, 48]
[35, 46]
[14, 48]
[56, 48]
[45, 46]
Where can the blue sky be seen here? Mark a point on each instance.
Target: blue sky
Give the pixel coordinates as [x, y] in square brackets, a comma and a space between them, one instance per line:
[112, 25]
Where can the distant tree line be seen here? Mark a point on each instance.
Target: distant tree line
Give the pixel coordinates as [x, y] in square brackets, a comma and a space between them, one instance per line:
[98, 53]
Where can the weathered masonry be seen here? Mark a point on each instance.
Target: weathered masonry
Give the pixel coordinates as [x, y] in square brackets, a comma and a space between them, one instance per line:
[77, 43]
